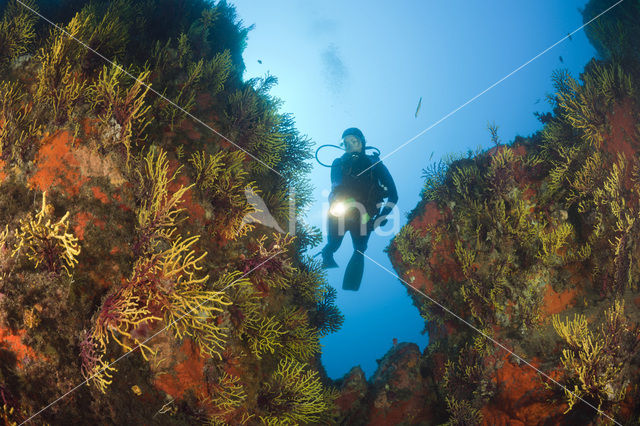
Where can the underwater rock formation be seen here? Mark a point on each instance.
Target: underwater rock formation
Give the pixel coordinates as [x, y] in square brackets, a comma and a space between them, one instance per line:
[396, 394]
[127, 263]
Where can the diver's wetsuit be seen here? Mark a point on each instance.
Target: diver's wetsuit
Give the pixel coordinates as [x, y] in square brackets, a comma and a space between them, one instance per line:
[364, 189]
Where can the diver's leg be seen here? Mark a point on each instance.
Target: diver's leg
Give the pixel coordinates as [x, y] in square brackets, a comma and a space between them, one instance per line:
[355, 268]
[334, 239]
[360, 239]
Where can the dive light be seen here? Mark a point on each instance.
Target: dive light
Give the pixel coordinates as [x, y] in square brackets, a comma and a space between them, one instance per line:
[339, 208]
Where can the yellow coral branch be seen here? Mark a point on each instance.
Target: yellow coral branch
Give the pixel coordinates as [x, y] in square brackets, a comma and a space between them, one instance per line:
[193, 313]
[45, 241]
[180, 263]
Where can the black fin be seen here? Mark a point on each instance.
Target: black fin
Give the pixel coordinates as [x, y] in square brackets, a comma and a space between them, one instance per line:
[353, 272]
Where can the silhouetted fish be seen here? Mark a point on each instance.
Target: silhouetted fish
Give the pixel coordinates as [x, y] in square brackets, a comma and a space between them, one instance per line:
[259, 61]
[418, 108]
[561, 60]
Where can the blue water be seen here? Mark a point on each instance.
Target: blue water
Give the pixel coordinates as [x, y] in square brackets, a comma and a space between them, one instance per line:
[366, 64]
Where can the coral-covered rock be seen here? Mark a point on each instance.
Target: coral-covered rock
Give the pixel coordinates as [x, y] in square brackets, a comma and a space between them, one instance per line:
[520, 397]
[396, 394]
[126, 260]
[351, 402]
[533, 249]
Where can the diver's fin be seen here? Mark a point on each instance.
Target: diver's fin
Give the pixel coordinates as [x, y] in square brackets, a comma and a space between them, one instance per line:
[353, 272]
[327, 260]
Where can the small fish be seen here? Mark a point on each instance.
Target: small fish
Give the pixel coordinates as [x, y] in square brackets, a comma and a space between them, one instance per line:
[418, 108]
[259, 61]
[537, 101]
[569, 34]
[561, 60]
[431, 156]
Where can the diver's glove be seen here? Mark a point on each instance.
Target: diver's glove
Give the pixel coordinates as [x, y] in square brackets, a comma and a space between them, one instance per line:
[376, 222]
[380, 220]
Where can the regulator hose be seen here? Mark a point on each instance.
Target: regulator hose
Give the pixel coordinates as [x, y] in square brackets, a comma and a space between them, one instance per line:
[341, 148]
[373, 147]
[323, 146]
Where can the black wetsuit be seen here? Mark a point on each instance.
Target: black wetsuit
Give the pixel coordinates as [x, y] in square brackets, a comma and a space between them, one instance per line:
[368, 189]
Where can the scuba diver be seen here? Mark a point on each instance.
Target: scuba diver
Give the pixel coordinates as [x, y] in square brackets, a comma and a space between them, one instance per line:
[355, 203]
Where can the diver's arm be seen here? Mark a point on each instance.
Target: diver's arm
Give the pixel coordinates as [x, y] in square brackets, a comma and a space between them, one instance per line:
[336, 178]
[392, 193]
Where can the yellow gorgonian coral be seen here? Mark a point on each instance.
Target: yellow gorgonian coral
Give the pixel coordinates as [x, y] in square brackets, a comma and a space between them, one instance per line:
[118, 104]
[294, 394]
[179, 263]
[300, 341]
[193, 313]
[7, 414]
[224, 180]
[47, 243]
[597, 363]
[94, 368]
[60, 87]
[263, 335]
[3, 235]
[4, 253]
[158, 214]
[228, 393]
[121, 313]
[30, 318]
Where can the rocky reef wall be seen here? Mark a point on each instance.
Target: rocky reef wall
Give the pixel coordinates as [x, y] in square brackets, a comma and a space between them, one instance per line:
[138, 282]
